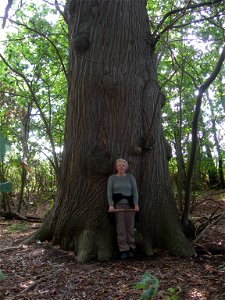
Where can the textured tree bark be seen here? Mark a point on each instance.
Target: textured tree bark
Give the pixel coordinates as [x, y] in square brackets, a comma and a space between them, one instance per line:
[181, 167]
[114, 110]
[217, 145]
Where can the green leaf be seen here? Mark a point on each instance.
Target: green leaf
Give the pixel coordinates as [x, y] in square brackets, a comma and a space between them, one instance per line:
[156, 284]
[144, 282]
[148, 294]
[3, 147]
[2, 276]
[171, 290]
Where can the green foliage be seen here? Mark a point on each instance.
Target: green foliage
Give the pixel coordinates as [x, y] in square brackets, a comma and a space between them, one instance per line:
[40, 58]
[149, 284]
[222, 267]
[33, 91]
[172, 293]
[17, 227]
[2, 276]
[4, 147]
[186, 56]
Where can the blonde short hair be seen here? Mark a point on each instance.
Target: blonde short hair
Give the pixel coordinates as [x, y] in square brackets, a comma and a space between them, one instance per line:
[122, 160]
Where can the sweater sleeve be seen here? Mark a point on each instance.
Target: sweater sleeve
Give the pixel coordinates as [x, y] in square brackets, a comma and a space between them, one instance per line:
[110, 191]
[134, 189]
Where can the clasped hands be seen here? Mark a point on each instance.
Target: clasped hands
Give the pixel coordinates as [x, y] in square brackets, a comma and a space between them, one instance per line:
[112, 209]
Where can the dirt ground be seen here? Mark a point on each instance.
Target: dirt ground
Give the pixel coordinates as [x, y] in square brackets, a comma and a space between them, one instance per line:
[40, 271]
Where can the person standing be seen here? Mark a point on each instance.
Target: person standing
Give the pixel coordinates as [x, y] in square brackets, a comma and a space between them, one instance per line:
[122, 194]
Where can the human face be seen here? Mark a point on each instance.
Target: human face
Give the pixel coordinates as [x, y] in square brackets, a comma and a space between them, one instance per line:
[121, 167]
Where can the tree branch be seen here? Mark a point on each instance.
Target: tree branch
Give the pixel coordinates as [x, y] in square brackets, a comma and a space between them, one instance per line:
[212, 222]
[10, 2]
[47, 126]
[192, 159]
[182, 10]
[48, 39]
[60, 11]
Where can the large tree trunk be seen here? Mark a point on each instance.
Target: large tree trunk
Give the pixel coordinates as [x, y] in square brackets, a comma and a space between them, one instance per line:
[114, 110]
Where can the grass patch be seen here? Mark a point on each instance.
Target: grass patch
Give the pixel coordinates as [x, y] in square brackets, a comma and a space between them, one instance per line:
[17, 227]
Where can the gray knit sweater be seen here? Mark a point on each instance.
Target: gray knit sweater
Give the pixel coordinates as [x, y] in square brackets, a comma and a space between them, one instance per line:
[125, 185]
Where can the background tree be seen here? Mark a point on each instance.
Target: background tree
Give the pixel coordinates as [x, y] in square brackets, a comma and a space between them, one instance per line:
[191, 62]
[33, 90]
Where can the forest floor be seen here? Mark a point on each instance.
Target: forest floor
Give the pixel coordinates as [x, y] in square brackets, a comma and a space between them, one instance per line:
[41, 271]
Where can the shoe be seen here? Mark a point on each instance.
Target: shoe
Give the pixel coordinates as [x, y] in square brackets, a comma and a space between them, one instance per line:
[132, 253]
[124, 255]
